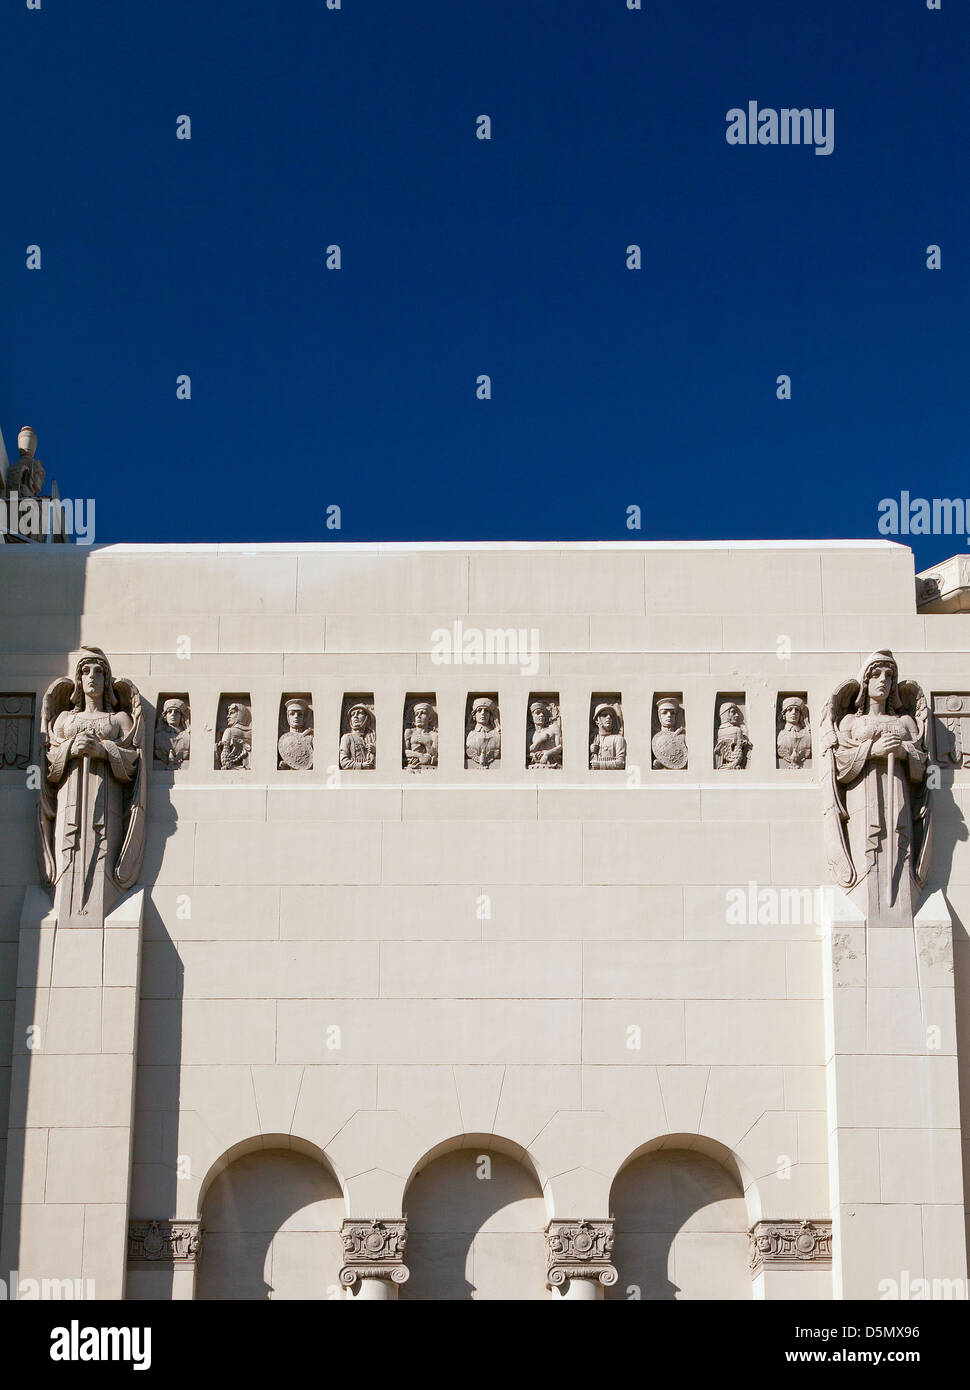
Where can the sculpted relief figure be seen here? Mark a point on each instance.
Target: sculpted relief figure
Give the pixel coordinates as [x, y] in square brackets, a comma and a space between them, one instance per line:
[794, 741]
[236, 740]
[732, 745]
[172, 735]
[669, 743]
[26, 476]
[545, 739]
[295, 746]
[358, 746]
[483, 743]
[421, 737]
[93, 789]
[608, 748]
[877, 807]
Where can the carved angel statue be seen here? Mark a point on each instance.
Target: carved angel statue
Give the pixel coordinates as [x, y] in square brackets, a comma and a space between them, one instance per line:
[877, 808]
[91, 818]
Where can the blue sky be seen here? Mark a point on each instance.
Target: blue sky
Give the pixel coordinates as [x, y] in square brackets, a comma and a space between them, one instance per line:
[610, 387]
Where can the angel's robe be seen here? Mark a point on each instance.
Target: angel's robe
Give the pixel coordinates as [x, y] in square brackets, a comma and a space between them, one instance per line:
[867, 800]
[90, 824]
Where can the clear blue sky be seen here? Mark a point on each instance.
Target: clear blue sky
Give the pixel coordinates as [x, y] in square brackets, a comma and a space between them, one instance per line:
[461, 256]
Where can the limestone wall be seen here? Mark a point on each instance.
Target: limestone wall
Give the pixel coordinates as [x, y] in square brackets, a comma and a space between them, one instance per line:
[380, 968]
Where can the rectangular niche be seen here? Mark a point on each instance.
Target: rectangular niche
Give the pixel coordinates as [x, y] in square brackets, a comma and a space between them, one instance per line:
[668, 731]
[358, 734]
[16, 731]
[294, 732]
[173, 731]
[606, 741]
[483, 730]
[234, 732]
[951, 729]
[793, 731]
[543, 733]
[419, 734]
[732, 742]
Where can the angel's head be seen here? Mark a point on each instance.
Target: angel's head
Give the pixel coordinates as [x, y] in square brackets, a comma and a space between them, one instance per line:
[879, 681]
[92, 678]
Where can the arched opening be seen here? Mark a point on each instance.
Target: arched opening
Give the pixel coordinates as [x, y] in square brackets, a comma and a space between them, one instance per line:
[271, 1210]
[681, 1223]
[476, 1220]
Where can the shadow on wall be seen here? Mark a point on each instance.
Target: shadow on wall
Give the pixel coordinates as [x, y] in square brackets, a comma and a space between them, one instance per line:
[476, 1219]
[272, 1229]
[41, 602]
[681, 1229]
[157, 1167]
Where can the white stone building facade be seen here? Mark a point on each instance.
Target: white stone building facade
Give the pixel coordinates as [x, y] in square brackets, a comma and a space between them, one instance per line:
[494, 1001]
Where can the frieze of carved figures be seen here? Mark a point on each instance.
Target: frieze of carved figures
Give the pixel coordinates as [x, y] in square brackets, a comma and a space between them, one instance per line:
[794, 738]
[234, 734]
[374, 1250]
[608, 747]
[295, 743]
[93, 789]
[173, 734]
[951, 717]
[358, 742]
[177, 1243]
[420, 736]
[483, 734]
[579, 1250]
[731, 743]
[544, 734]
[669, 743]
[789, 1245]
[16, 727]
[877, 813]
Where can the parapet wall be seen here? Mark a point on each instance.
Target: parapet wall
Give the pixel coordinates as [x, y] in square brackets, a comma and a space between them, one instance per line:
[378, 965]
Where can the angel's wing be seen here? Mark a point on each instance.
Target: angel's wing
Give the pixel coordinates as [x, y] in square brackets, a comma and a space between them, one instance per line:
[133, 845]
[55, 701]
[915, 704]
[836, 817]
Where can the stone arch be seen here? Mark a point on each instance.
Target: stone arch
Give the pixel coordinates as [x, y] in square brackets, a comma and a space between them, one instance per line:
[682, 1206]
[476, 1213]
[271, 1208]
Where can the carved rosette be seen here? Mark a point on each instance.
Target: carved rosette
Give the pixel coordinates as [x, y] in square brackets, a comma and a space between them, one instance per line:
[374, 1250]
[174, 1243]
[789, 1245]
[579, 1250]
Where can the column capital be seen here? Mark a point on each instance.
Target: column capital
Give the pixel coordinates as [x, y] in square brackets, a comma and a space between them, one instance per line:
[580, 1250]
[791, 1244]
[175, 1243]
[374, 1249]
